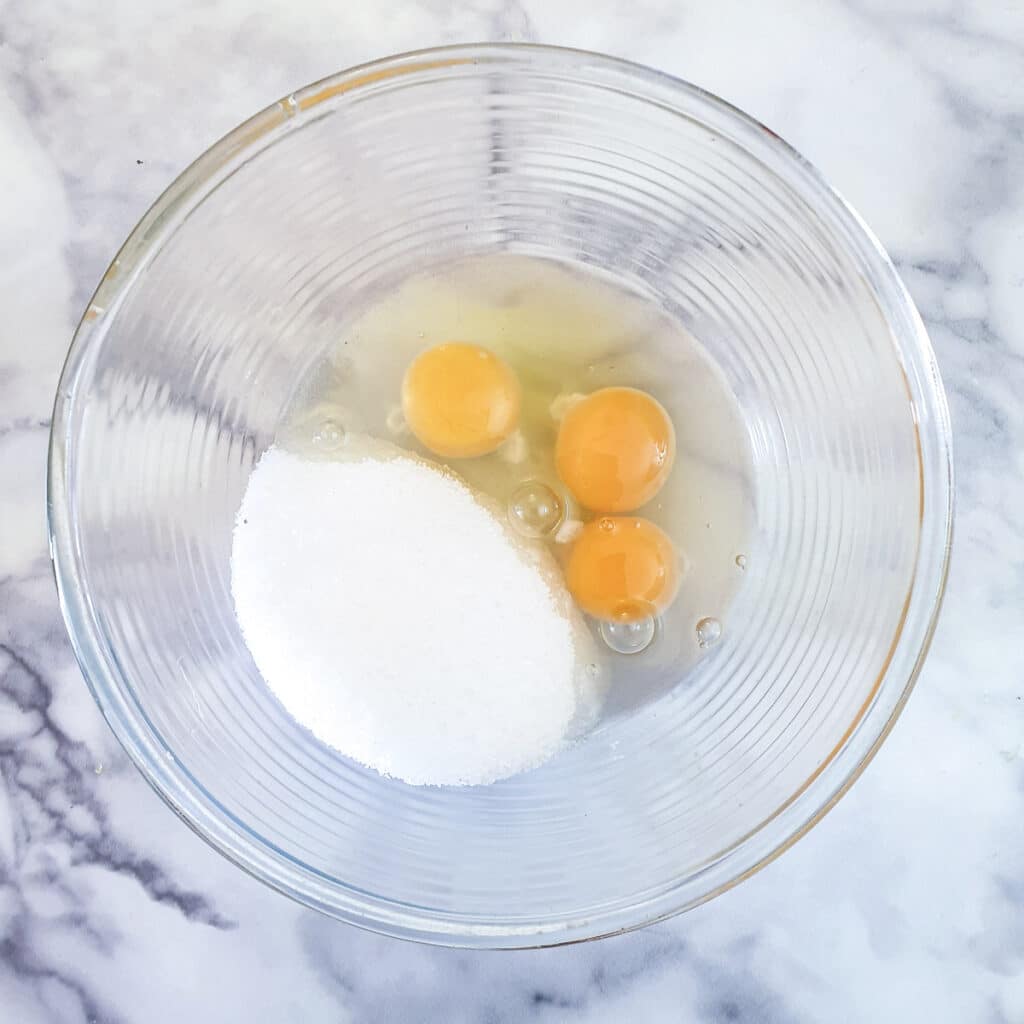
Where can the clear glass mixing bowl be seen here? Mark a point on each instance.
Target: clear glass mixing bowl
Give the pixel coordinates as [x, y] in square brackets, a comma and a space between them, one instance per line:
[237, 282]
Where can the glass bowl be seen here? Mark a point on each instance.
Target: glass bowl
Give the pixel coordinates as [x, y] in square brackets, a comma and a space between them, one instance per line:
[240, 278]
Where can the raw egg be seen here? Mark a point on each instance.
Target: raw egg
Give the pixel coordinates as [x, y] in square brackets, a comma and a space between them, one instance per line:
[615, 449]
[622, 569]
[460, 400]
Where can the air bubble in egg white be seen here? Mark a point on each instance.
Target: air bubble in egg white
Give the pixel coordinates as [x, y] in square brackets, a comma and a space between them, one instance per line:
[534, 509]
[629, 637]
[329, 436]
[709, 632]
[395, 422]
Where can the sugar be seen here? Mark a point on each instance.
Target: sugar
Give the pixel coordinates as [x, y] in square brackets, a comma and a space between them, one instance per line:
[395, 616]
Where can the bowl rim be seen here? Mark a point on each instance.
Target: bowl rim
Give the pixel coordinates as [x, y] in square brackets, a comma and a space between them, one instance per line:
[169, 777]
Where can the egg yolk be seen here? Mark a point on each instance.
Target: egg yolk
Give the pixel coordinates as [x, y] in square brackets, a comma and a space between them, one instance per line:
[615, 449]
[622, 569]
[460, 400]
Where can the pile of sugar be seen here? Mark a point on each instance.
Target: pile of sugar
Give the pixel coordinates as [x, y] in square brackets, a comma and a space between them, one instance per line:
[395, 617]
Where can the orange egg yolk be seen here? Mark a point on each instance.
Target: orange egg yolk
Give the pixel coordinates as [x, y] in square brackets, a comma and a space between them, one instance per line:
[460, 400]
[615, 449]
[622, 569]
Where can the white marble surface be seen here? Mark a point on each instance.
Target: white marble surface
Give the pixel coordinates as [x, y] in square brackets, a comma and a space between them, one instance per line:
[905, 904]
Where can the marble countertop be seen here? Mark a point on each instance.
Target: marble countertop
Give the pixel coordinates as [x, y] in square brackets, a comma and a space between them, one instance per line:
[905, 904]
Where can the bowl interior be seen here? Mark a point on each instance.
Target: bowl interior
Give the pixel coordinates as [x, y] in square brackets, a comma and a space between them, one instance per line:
[239, 281]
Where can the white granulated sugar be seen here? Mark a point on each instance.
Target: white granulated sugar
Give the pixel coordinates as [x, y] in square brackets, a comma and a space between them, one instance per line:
[395, 617]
